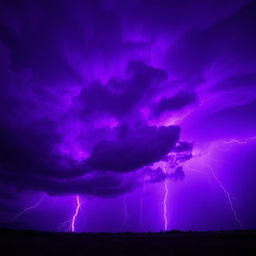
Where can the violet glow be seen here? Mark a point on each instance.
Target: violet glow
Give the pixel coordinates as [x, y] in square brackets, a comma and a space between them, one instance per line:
[124, 213]
[165, 201]
[141, 203]
[151, 119]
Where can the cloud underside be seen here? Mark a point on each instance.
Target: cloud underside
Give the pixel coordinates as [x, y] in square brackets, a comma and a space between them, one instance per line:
[89, 90]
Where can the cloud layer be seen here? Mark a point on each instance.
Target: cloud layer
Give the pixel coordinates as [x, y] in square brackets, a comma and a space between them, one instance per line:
[97, 95]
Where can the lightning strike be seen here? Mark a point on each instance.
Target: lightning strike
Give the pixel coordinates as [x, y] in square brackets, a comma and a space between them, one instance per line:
[228, 196]
[29, 208]
[165, 200]
[65, 224]
[239, 141]
[183, 117]
[177, 120]
[78, 205]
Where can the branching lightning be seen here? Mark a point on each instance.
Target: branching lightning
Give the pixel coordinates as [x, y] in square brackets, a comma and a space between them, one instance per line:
[175, 121]
[64, 224]
[29, 208]
[218, 181]
[239, 141]
[225, 191]
[228, 196]
[179, 119]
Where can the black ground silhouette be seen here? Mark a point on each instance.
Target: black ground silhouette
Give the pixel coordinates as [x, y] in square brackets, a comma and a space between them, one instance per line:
[14, 242]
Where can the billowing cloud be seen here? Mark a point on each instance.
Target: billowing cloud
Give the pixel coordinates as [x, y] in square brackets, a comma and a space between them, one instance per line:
[177, 102]
[121, 97]
[137, 148]
[39, 152]
[98, 97]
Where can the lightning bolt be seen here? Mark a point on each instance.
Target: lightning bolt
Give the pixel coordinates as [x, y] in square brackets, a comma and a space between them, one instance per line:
[218, 181]
[183, 117]
[72, 222]
[231, 141]
[239, 141]
[165, 200]
[227, 195]
[29, 208]
[64, 224]
[175, 121]
[78, 205]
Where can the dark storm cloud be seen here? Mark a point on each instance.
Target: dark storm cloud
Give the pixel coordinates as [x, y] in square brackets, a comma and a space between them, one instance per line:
[230, 38]
[178, 174]
[102, 184]
[68, 64]
[178, 101]
[86, 88]
[120, 97]
[237, 82]
[183, 147]
[38, 34]
[155, 175]
[32, 150]
[30, 138]
[137, 148]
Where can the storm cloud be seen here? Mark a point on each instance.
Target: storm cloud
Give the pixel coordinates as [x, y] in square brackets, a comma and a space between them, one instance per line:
[97, 95]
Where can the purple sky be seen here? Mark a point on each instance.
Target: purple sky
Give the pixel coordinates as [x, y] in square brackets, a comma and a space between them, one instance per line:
[134, 115]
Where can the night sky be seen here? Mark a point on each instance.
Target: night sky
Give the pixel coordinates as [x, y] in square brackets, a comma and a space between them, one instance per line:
[135, 115]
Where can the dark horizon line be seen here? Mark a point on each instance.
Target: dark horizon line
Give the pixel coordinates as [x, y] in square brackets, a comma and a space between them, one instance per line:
[175, 231]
